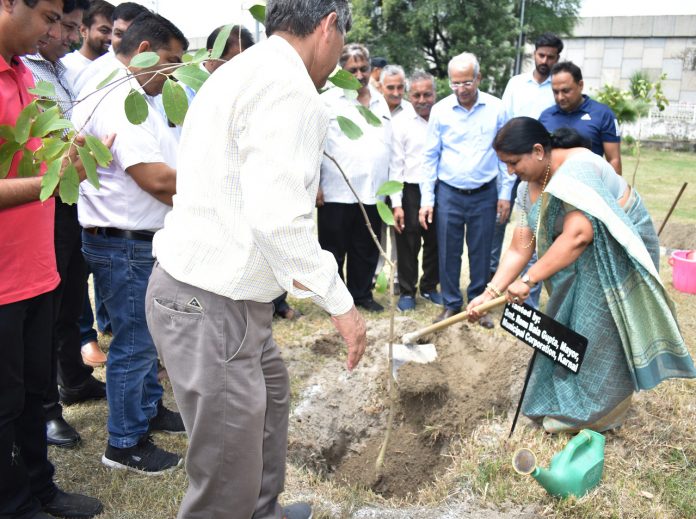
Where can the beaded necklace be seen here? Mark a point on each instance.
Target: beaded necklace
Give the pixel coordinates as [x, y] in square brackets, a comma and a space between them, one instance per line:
[541, 201]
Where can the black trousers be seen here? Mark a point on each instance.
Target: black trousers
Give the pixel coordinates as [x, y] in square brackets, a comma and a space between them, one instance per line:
[67, 368]
[26, 475]
[342, 231]
[408, 245]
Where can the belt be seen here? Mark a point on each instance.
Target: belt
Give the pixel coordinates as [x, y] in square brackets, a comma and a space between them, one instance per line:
[471, 191]
[120, 233]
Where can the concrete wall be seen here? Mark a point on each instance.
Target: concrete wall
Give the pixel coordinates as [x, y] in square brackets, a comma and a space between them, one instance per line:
[611, 49]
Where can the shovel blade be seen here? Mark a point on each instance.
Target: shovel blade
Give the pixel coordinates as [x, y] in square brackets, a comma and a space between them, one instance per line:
[420, 353]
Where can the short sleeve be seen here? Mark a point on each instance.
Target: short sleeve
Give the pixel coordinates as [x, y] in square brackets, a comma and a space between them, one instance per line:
[523, 205]
[610, 127]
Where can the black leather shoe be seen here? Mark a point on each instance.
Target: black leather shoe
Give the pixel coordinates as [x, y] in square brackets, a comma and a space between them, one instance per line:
[42, 515]
[370, 305]
[446, 314]
[74, 506]
[61, 434]
[90, 389]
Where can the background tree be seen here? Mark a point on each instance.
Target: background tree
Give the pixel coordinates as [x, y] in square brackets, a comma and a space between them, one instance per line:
[427, 33]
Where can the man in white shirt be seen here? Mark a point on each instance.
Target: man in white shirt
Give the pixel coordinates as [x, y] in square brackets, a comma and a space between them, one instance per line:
[240, 234]
[119, 220]
[410, 128]
[393, 81]
[365, 161]
[528, 94]
[96, 38]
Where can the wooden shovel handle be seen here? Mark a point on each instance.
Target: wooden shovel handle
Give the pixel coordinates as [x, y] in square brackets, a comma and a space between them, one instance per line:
[412, 337]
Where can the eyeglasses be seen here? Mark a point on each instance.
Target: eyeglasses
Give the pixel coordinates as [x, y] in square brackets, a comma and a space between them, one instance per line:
[459, 84]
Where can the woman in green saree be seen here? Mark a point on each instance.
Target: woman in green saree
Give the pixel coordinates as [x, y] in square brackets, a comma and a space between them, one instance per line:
[598, 258]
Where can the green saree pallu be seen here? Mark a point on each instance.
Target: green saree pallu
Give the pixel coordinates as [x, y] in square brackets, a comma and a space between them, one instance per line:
[612, 294]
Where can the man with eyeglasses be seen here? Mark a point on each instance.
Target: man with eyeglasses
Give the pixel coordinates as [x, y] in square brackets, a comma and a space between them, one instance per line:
[365, 161]
[67, 368]
[466, 185]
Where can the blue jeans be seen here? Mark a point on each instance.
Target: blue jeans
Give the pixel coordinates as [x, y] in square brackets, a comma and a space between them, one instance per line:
[121, 270]
[455, 213]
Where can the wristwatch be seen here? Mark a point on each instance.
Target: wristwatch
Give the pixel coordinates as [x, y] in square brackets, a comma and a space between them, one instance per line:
[528, 281]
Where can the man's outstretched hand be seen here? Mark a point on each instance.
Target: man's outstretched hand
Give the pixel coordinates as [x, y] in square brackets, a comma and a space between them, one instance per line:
[351, 326]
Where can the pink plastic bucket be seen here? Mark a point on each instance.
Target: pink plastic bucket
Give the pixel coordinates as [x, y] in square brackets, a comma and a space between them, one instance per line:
[684, 270]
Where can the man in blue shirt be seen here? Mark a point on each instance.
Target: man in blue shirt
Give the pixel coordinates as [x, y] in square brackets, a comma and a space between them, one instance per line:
[466, 185]
[591, 119]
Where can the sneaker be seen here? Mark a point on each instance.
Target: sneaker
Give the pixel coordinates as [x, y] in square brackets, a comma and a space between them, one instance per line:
[370, 305]
[144, 458]
[297, 511]
[433, 296]
[166, 421]
[406, 303]
[64, 504]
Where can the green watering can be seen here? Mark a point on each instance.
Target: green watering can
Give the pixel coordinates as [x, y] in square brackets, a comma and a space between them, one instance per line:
[574, 471]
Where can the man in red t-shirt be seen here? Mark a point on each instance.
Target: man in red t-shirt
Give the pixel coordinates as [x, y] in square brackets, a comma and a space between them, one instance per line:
[27, 278]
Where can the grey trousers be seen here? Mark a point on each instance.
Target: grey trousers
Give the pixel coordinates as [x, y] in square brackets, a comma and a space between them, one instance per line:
[231, 387]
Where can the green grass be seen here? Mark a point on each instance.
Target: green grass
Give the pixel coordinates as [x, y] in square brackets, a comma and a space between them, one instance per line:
[660, 176]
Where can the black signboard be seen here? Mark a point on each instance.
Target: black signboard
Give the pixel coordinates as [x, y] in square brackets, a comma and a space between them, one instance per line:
[549, 337]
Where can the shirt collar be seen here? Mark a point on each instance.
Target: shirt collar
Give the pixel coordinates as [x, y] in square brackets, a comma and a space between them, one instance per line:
[14, 64]
[530, 79]
[454, 103]
[582, 108]
[56, 66]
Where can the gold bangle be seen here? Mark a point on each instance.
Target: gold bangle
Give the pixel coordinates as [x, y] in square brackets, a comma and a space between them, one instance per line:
[494, 289]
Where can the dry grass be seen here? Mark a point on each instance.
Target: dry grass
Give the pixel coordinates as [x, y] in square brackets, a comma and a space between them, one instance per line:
[650, 465]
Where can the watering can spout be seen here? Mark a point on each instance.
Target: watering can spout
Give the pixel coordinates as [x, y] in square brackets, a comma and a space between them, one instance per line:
[573, 471]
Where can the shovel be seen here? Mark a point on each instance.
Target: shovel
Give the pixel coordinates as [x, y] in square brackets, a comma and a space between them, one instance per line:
[409, 351]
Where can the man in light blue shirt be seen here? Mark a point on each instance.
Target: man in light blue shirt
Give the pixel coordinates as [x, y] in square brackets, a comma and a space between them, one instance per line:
[466, 185]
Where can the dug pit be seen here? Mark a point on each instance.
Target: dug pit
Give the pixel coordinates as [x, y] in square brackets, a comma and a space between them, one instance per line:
[338, 423]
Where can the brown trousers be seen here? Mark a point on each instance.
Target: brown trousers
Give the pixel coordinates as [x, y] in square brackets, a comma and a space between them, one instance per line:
[231, 387]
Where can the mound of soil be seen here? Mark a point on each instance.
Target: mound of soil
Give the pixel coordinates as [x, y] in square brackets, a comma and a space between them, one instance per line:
[677, 235]
[338, 426]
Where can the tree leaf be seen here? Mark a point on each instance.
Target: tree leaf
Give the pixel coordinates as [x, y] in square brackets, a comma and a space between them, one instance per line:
[7, 153]
[101, 153]
[385, 213]
[349, 128]
[369, 116]
[175, 101]
[107, 79]
[136, 107]
[59, 124]
[89, 164]
[144, 60]
[221, 41]
[50, 180]
[7, 132]
[390, 187]
[24, 120]
[26, 165]
[258, 11]
[69, 188]
[51, 149]
[191, 75]
[344, 79]
[44, 89]
[43, 120]
[200, 55]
